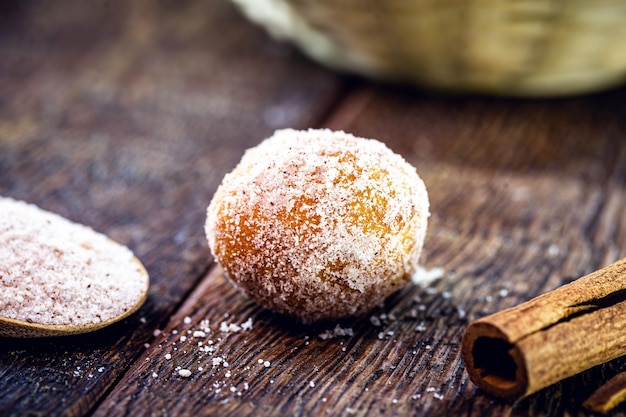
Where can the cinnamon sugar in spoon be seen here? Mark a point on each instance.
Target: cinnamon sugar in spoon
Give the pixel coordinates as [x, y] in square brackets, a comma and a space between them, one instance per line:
[60, 278]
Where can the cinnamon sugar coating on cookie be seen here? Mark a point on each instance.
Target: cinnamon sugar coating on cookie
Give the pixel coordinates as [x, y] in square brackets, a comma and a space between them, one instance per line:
[319, 224]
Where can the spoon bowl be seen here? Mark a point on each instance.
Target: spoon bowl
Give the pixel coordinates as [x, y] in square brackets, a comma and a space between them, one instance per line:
[58, 277]
[10, 327]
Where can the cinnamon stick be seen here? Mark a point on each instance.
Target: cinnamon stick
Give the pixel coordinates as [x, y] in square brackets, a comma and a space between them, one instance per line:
[519, 351]
[608, 396]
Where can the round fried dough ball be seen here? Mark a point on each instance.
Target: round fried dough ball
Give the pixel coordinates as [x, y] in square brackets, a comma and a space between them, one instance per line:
[319, 224]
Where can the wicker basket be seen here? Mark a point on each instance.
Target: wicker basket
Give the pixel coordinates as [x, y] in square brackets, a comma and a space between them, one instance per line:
[507, 47]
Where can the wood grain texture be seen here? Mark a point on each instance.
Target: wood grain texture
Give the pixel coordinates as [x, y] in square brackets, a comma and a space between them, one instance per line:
[125, 117]
[309, 372]
[526, 195]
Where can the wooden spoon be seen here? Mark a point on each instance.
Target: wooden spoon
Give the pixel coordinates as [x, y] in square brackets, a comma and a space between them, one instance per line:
[59, 278]
[17, 328]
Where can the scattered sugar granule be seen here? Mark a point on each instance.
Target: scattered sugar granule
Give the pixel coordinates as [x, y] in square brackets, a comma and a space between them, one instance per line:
[247, 325]
[199, 333]
[312, 384]
[503, 293]
[343, 331]
[185, 373]
[235, 328]
[375, 321]
[187, 320]
[424, 277]
[217, 361]
[229, 327]
[168, 356]
[553, 250]
[154, 375]
[204, 324]
[420, 327]
[267, 364]
[338, 331]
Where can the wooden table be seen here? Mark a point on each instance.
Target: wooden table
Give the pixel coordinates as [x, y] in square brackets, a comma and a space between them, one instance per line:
[125, 116]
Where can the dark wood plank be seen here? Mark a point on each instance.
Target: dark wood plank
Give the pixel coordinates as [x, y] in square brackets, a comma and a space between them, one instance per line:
[526, 195]
[125, 116]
